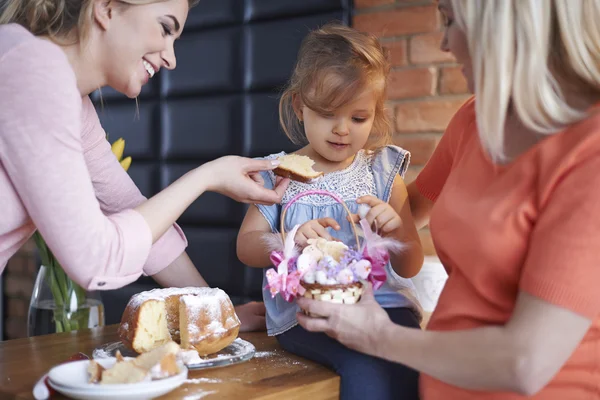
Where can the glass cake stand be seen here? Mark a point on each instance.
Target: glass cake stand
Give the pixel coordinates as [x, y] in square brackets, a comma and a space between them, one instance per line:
[237, 352]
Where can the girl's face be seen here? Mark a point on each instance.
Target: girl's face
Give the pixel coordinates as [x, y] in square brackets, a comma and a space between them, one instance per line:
[455, 42]
[138, 40]
[338, 136]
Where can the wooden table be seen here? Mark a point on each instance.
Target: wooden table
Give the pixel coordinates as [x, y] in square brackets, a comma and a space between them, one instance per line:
[271, 374]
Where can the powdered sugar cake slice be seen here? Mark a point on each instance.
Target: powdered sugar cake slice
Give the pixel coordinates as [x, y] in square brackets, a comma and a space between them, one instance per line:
[297, 167]
[237, 352]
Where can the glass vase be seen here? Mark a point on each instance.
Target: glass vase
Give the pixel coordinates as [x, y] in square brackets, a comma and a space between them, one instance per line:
[60, 305]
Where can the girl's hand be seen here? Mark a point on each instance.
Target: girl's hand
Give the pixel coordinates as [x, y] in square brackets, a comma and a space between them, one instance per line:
[383, 214]
[313, 229]
[357, 326]
[252, 316]
[239, 178]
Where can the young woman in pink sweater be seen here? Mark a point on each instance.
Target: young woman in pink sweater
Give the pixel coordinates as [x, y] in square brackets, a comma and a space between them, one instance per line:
[57, 172]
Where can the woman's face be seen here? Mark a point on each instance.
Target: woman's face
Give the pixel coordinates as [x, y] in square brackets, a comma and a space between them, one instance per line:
[455, 42]
[138, 40]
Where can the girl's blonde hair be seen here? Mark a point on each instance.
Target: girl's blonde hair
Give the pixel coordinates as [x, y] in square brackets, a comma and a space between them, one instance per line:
[57, 19]
[534, 56]
[334, 64]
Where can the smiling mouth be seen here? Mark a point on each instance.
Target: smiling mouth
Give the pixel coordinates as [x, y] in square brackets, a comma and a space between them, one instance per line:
[338, 145]
[149, 68]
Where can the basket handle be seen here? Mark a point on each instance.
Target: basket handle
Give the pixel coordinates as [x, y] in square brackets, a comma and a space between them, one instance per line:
[320, 192]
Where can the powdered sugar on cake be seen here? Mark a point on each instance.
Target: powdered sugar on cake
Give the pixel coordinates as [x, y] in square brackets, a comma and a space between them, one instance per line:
[162, 293]
[211, 306]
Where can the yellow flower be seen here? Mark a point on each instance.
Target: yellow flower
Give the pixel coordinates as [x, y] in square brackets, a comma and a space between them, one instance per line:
[118, 147]
[125, 163]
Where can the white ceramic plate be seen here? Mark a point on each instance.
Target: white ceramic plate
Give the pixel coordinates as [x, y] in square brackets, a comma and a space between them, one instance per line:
[71, 379]
[237, 352]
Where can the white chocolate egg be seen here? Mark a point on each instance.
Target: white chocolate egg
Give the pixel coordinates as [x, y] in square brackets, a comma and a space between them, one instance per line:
[321, 277]
[345, 276]
[363, 268]
[363, 210]
[306, 262]
[309, 277]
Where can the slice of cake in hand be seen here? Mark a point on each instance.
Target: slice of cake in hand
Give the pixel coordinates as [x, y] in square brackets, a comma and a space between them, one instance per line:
[297, 167]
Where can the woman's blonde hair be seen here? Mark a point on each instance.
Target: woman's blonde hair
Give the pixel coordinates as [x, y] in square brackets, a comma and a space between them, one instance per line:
[334, 64]
[534, 56]
[57, 19]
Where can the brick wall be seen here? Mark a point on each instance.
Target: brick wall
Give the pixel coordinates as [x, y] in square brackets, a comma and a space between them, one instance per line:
[426, 86]
[18, 279]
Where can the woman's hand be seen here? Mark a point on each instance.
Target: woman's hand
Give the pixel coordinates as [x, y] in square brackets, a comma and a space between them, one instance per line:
[384, 216]
[314, 229]
[357, 326]
[252, 316]
[239, 178]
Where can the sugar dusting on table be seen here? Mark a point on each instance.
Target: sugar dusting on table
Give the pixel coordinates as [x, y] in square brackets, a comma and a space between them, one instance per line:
[198, 396]
[263, 354]
[203, 380]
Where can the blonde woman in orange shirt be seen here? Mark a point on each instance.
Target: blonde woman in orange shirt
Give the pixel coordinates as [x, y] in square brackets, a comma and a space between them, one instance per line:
[512, 197]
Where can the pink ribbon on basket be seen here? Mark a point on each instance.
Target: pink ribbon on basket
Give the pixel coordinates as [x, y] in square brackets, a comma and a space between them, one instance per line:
[377, 256]
[282, 281]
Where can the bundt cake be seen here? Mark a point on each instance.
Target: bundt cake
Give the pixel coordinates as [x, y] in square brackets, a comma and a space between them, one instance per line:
[198, 318]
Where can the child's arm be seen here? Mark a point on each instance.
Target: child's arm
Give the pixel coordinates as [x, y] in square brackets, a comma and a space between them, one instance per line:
[407, 263]
[251, 248]
[395, 220]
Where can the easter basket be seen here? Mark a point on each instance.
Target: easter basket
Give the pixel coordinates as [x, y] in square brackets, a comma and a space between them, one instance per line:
[325, 270]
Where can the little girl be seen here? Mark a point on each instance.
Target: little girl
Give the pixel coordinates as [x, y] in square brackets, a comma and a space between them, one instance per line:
[334, 106]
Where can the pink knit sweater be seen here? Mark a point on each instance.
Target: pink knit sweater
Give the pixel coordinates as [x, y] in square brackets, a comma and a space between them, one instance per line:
[57, 173]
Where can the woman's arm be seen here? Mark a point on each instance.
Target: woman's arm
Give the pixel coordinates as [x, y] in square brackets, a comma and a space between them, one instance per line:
[232, 176]
[420, 206]
[521, 356]
[251, 246]
[116, 191]
[180, 273]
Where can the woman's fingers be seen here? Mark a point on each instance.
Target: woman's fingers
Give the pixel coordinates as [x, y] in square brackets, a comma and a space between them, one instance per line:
[312, 324]
[256, 177]
[314, 307]
[251, 165]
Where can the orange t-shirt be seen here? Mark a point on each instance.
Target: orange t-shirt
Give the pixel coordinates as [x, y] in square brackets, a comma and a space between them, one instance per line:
[531, 225]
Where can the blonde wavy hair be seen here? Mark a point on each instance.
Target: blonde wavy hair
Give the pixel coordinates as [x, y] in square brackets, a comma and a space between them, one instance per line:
[335, 62]
[535, 56]
[58, 19]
